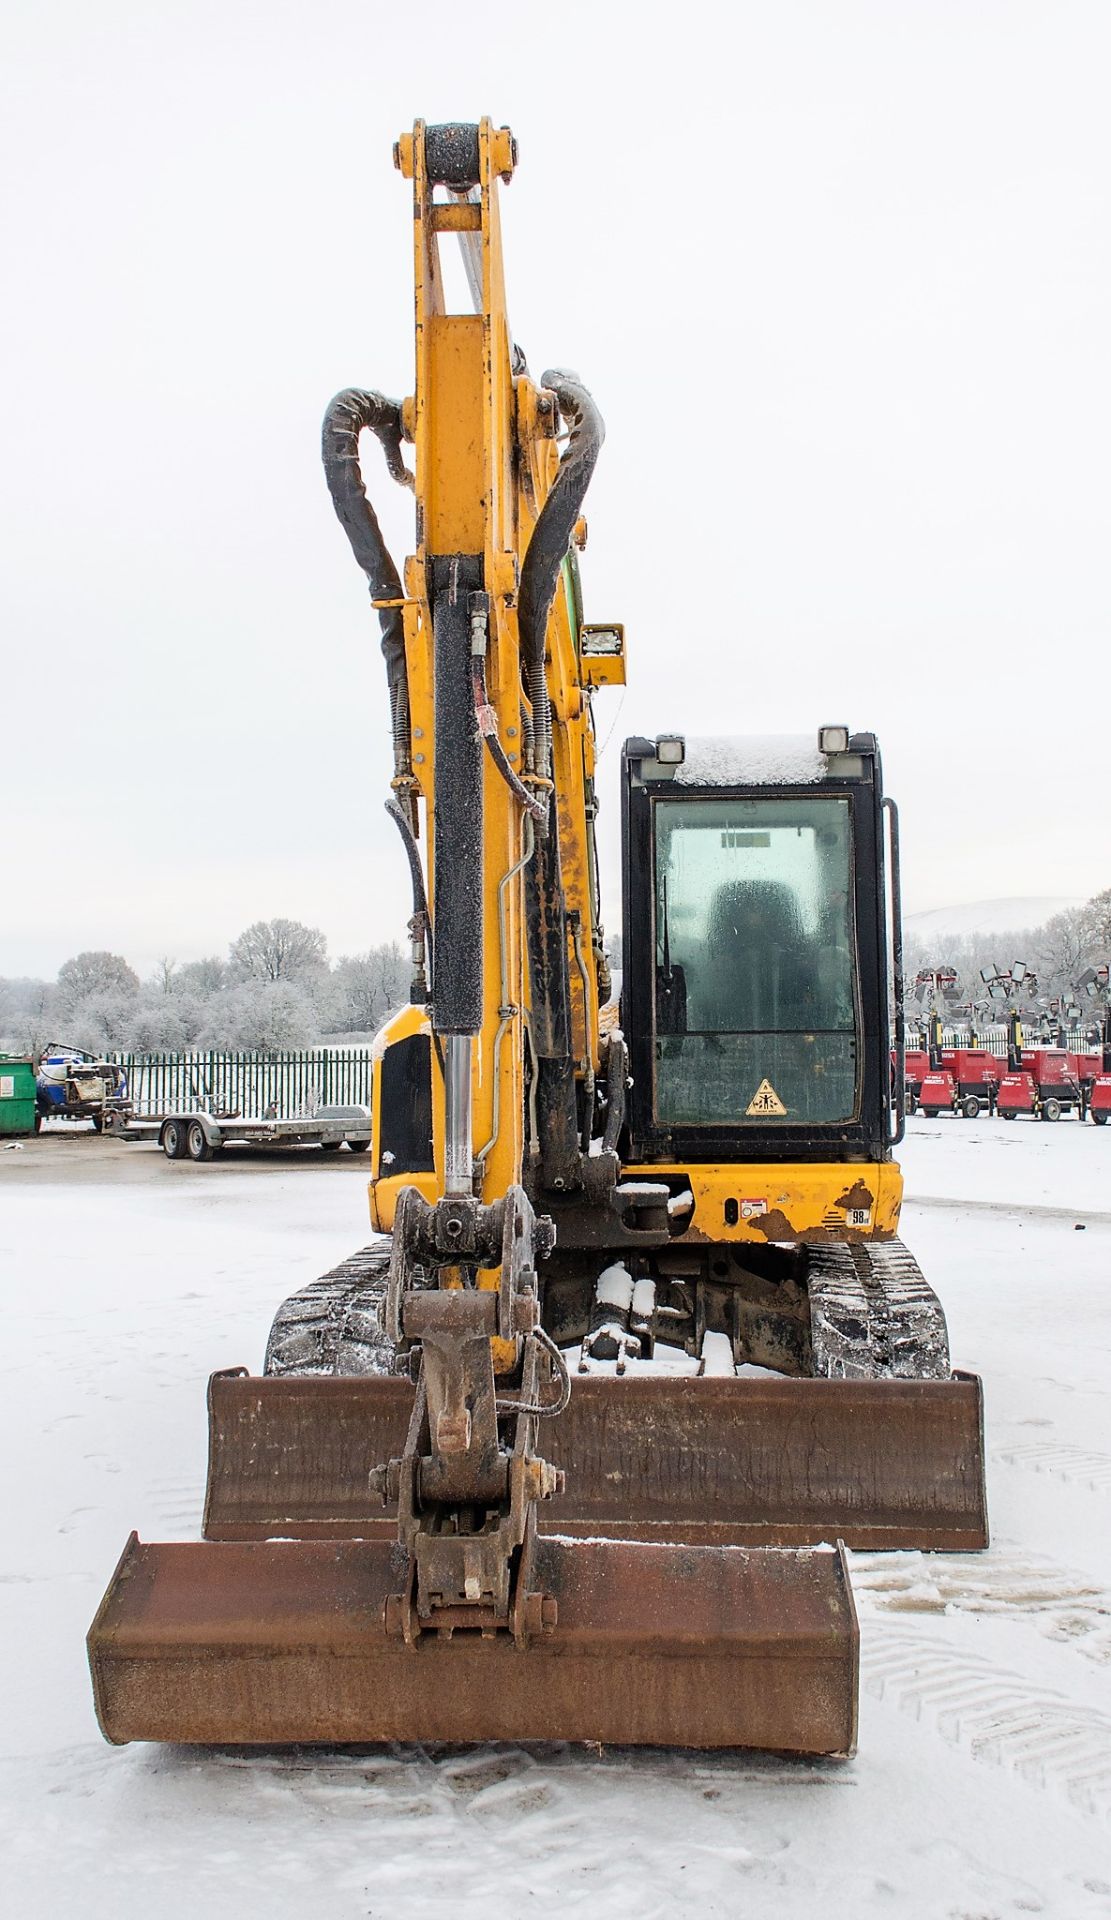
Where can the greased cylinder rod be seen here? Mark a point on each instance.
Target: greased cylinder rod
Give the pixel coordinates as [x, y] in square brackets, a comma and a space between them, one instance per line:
[458, 1157]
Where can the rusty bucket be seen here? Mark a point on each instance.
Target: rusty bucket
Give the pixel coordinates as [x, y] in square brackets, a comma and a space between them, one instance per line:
[697, 1589]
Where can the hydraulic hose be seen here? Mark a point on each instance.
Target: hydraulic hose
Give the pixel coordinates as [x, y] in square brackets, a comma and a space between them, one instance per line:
[348, 414]
[551, 538]
[536, 806]
[419, 924]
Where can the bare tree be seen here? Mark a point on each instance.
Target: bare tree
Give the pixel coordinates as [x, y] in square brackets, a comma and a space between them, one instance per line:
[262, 1014]
[95, 972]
[100, 1021]
[156, 1025]
[1098, 915]
[368, 987]
[279, 950]
[201, 978]
[1062, 948]
[27, 1014]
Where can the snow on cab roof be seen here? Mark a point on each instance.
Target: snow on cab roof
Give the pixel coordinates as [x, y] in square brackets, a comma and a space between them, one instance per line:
[751, 760]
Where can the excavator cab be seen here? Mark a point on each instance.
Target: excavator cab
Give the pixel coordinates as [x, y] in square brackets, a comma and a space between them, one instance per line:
[756, 942]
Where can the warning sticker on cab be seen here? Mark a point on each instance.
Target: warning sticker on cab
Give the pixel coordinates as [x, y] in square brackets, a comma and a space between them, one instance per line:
[766, 1101]
[750, 1208]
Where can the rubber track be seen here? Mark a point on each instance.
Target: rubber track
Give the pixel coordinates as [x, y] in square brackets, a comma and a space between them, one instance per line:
[873, 1315]
[334, 1325]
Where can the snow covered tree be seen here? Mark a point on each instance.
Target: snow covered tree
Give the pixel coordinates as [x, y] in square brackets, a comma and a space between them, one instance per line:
[95, 972]
[99, 1022]
[367, 987]
[1098, 916]
[96, 993]
[165, 974]
[279, 950]
[155, 1025]
[200, 979]
[1061, 950]
[263, 1015]
[27, 1015]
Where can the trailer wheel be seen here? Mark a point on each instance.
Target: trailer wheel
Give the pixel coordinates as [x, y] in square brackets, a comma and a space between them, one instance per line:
[930, 1112]
[199, 1146]
[1100, 1119]
[330, 1146]
[98, 1122]
[173, 1140]
[1004, 1115]
[1051, 1109]
[971, 1107]
[358, 1146]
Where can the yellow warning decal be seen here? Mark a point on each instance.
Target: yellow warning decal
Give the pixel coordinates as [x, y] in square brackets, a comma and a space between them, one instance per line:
[766, 1101]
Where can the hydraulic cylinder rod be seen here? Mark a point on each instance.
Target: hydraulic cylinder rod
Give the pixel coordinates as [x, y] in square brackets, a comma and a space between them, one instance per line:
[458, 1157]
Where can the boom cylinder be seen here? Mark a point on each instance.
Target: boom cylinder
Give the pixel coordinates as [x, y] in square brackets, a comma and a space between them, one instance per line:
[457, 865]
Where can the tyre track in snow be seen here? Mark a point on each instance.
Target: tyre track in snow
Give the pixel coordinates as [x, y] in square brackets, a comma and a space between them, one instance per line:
[1079, 1466]
[996, 1716]
[1064, 1605]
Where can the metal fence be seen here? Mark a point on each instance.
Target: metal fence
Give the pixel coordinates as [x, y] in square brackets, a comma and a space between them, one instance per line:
[995, 1039]
[284, 1084]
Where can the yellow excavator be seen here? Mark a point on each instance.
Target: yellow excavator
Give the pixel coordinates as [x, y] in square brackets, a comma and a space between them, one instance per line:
[574, 1448]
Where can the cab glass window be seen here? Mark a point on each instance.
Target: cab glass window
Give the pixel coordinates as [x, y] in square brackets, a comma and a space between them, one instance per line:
[756, 1020]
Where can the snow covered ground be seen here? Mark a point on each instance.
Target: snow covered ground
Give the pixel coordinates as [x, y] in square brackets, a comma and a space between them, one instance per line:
[982, 1788]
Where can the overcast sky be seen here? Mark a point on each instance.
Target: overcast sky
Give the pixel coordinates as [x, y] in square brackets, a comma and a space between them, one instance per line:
[839, 276]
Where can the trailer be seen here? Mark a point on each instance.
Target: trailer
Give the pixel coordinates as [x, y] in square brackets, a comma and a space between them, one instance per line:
[976, 1075]
[192, 1133]
[1043, 1086]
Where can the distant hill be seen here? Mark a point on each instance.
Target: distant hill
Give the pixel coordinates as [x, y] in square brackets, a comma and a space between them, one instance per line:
[989, 916]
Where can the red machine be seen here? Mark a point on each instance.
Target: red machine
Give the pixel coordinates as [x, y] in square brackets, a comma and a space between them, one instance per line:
[1086, 1069]
[976, 1075]
[938, 1090]
[916, 1064]
[960, 1079]
[1099, 1099]
[1044, 1085]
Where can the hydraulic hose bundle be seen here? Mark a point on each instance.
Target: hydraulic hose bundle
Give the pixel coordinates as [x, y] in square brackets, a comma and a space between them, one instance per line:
[348, 414]
[547, 550]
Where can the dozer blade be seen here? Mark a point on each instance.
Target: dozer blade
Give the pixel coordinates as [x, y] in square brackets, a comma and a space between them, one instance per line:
[656, 1645]
[887, 1463]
